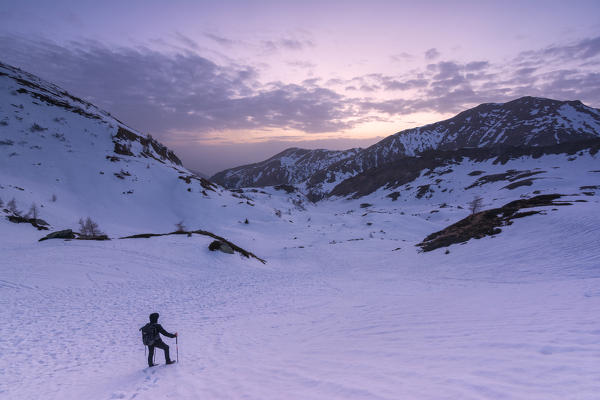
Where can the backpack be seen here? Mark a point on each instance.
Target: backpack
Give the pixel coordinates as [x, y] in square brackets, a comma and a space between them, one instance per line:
[149, 334]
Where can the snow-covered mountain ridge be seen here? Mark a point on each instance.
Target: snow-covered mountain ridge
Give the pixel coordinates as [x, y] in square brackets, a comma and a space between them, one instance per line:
[291, 166]
[527, 122]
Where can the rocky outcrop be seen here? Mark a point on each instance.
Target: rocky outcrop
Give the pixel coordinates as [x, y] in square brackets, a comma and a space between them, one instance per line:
[487, 223]
[221, 246]
[64, 234]
[38, 223]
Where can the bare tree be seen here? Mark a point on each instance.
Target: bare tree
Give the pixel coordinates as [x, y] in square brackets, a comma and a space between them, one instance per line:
[89, 228]
[180, 226]
[475, 205]
[33, 212]
[12, 207]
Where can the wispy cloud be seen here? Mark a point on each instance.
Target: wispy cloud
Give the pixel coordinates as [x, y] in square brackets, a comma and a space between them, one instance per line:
[222, 40]
[432, 54]
[567, 71]
[162, 92]
[186, 41]
[401, 57]
[291, 44]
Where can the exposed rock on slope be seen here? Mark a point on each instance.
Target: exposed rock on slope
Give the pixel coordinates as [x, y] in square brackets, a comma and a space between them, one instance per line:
[404, 170]
[487, 223]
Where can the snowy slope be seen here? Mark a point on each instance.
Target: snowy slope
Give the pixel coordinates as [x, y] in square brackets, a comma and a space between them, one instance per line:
[73, 161]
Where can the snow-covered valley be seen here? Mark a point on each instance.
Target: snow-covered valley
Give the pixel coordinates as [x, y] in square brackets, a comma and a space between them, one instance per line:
[507, 317]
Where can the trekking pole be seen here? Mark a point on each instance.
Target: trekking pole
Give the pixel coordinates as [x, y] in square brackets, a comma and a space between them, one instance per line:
[177, 347]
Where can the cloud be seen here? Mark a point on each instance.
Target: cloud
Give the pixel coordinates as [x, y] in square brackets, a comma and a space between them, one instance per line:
[161, 92]
[294, 44]
[301, 64]
[401, 57]
[271, 46]
[450, 86]
[476, 65]
[432, 54]
[183, 92]
[186, 41]
[394, 84]
[445, 70]
[223, 41]
[582, 51]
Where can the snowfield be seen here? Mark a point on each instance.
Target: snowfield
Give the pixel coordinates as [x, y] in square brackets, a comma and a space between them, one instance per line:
[509, 317]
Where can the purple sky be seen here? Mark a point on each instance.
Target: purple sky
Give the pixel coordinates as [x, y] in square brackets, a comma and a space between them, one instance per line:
[231, 82]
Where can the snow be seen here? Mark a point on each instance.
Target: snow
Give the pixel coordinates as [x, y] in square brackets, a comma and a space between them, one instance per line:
[571, 117]
[498, 318]
[342, 309]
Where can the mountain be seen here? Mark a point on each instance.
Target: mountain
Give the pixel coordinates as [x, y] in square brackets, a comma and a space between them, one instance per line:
[291, 166]
[74, 160]
[525, 123]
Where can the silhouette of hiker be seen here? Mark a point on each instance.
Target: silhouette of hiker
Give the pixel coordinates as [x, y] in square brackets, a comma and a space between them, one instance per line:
[151, 338]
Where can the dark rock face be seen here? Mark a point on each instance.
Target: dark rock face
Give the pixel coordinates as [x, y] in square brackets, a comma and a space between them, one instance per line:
[40, 224]
[487, 223]
[221, 246]
[65, 234]
[152, 148]
[527, 123]
[287, 188]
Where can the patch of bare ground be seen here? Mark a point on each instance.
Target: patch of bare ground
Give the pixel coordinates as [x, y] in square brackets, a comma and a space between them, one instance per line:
[488, 222]
[511, 175]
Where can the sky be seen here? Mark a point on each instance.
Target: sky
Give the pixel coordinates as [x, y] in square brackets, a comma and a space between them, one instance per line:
[226, 83]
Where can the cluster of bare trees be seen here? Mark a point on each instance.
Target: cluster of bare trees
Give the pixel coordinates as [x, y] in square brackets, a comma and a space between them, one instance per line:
[32, 213]
[88, 228]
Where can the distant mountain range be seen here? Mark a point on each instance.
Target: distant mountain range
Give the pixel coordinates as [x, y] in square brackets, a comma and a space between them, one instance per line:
[520, 127]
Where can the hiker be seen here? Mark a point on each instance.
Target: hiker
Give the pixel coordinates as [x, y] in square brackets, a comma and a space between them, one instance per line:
[151, 338]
